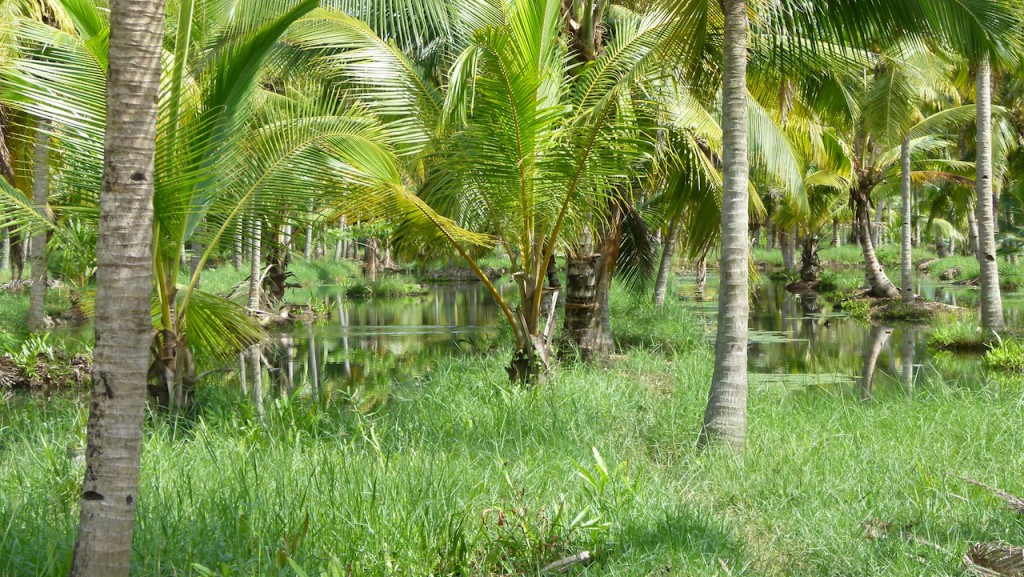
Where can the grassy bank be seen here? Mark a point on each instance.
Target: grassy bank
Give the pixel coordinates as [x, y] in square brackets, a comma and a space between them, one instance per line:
[1011, 276]
[848, 255]
[461, 473]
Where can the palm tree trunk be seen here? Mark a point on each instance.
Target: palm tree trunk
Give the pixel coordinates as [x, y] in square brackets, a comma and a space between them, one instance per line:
[701, 275]
[786, 244]
[17, 255]
[665, 269]
[5, 251]
[370, 258]
[878, 282]
[837, 237]
[906, 255]
[876, 228]
[307, 253]
[972, 226]
[236, 253]
[255, 264]
[256, 361]
[991, 299]
[40, 198]
[725, 419]
[124, 282]
[810, 264]
[340, 244]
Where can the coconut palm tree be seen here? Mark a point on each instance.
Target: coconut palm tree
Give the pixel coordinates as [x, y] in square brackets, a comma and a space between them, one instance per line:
[531, 188]
[233, 147]
[725, 418]
[123, 290]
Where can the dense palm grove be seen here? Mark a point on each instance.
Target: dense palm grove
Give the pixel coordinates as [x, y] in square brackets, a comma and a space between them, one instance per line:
[587, 146]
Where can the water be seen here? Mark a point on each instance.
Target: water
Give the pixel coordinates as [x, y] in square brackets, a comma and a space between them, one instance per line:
[800, 341]
[367, 348]
[364, 347]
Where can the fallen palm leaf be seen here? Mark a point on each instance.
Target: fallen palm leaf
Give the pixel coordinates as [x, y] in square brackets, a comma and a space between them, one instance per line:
[1013, 502]
[995, 560]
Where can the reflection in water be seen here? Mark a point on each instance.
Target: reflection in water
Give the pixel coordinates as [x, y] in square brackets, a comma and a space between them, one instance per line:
[907, 360]
[364, 347]
[876, 338]
[802, 341]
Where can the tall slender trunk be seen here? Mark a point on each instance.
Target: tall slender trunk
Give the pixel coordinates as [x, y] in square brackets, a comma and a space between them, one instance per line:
[972, 231]
[5, 250]
[876, 227]
[786, 244]
[906, 255]
[665, 269]
[837, 237]
[725, 418]
[701, 275]
[40, 199]
[124, 282]
[255, 263]
[17, 255]
[338, 246]
[879, 284]
[370, 258]
[236, 252]
[307, 252]
[256, 361]
[991, 298]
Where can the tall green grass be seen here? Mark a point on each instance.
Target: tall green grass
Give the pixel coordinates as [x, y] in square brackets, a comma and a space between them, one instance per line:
[463, 474]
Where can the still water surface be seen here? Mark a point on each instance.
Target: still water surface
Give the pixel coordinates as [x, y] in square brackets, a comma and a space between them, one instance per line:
[368, 347]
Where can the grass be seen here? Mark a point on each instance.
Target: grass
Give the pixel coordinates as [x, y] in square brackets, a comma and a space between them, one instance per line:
[461, 473]
[310, 276]
[1007, 355]
[959, 334]
[846, 255]
[1011, 276]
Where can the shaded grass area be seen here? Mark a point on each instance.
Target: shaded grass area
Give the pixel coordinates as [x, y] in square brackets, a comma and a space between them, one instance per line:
[422, 485]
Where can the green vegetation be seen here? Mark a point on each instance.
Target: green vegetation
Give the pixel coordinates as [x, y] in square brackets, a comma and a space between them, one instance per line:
[1011, 276]
[1007, 355]
[848, 255]
[422, 485]
[961, 334]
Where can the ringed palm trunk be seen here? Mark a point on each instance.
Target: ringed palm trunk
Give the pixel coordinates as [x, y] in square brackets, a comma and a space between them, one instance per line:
[40, 198]
[589, 271]
[725, 419]
[972, 231]
[665, 269]
[879, 284]
[991, 299]
[124, 281]
[906, 255]
[5, 251]
[701, 275]
[255, 264]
